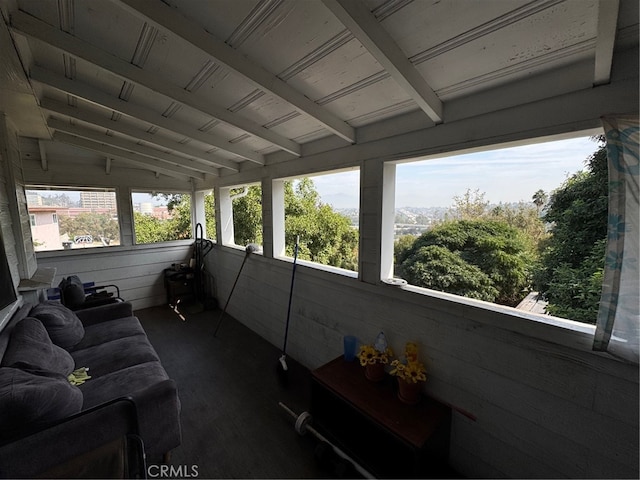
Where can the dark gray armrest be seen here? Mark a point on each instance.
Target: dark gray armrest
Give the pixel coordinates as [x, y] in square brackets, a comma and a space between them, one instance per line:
[39, 452]
[111, 311]
[159, 416]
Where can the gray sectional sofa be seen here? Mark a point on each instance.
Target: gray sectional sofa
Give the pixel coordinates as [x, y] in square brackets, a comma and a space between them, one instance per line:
[46, 420]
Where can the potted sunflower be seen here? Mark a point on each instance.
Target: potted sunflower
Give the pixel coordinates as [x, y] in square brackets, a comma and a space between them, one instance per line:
[374, 357]
[410, 373]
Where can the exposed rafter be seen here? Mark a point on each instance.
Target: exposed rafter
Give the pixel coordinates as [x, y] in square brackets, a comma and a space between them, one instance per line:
[607, 23]
[135, 133]
[44, 163]
[98, 97]
[127, 157]
[168, 18]
[25, 24]
[361, 22]
[128, 146]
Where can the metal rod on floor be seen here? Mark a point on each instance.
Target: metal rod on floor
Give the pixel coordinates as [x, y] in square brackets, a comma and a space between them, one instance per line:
[303, 426]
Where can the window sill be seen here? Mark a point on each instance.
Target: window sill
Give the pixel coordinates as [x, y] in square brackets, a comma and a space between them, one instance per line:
[324, 268]
[569, 333]
[113, 249]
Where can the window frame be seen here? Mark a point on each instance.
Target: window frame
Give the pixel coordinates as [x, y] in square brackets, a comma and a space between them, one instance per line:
[278, 237]
[225, 204]
[55, 217]
[147, 191]
[585, 331]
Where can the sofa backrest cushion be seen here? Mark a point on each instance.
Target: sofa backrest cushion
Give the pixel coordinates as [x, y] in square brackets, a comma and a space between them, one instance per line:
[31, 398]
[30, 345]
[63, 326]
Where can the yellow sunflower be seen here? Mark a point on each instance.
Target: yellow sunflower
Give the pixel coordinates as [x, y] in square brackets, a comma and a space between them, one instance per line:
[412, 372]
[368, 355]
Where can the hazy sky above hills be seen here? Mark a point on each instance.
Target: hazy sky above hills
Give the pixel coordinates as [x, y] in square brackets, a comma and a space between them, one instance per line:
[505, 175]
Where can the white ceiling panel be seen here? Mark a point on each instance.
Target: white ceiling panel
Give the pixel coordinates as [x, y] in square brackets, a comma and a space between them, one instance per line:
[343, 67]
[250, 78]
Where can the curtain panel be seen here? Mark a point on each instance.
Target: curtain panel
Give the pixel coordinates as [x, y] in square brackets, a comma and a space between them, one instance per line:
[618, 324]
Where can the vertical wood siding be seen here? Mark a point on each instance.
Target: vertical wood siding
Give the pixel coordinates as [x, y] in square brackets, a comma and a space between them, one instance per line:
[14, 218]
[539, 406]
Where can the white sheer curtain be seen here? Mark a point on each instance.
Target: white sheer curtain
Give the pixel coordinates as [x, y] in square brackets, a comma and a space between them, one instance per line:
[618, 325]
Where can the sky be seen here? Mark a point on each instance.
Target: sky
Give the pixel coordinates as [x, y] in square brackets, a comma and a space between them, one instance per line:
[505, 175]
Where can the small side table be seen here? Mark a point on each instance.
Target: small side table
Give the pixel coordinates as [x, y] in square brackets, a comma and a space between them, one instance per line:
[367, 420]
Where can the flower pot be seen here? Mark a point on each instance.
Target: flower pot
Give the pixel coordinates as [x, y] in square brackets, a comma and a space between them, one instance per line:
[374, 371]
[409, 392]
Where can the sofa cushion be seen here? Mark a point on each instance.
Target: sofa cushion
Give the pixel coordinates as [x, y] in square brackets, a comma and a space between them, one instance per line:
[63, 325]
[30, 345]
[95, 334]
[115, 355]
[122, 383]
[31, 398]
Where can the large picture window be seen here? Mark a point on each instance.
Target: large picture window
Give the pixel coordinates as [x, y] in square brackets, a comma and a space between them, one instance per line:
[72, 218]
[322, 212]
[523, 227]
[161, 216]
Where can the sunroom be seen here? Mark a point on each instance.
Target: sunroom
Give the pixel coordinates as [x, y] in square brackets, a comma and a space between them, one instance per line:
[230, 105]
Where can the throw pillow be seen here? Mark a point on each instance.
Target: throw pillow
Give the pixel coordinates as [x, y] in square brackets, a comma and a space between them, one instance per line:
[30, 344]
[63, 326]
[32, 398]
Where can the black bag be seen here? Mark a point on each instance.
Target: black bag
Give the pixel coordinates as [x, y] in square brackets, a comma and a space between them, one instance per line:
[72, 292]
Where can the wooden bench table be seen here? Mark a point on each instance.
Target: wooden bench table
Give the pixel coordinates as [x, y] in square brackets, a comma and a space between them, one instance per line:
[368, 421]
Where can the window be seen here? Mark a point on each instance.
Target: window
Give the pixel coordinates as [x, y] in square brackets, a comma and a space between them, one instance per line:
[523, 227]
[322, 211]
[161, 216]
[66, 218]
[241, 212]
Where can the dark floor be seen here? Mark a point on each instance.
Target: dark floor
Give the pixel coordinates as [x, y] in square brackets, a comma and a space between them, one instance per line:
[232, 424]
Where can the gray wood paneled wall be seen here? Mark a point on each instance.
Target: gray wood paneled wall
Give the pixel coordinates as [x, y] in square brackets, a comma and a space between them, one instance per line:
[137, 271]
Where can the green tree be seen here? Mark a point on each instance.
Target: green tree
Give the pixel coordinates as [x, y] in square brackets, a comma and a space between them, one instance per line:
[247, 216]
[523, 217]
[401, 247]
[486, 259]
[148, 229]
[210, 215]
[101, 227]
[153, 230]
[539, 199]
[572, 258]
[469, 205]
[438, 268]
[326, 236]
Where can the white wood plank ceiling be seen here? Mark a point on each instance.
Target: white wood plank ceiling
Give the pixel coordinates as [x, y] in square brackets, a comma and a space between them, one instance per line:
[193, 88]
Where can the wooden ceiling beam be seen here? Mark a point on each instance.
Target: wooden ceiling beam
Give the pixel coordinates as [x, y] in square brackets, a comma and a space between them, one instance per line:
[44, 163]
[61, 108]
[605, 41]
[120, 143]
[127, 157]
[356, 16]
[25, 24]
[98, 97]
[166, 17]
